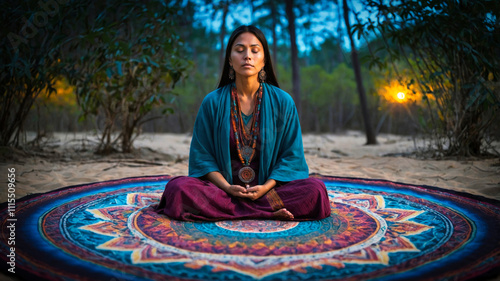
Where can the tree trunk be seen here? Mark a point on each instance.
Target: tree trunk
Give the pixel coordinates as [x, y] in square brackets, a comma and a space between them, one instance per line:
[317, 125]
[274, 16]
[252, 9]
[331, 116]
[127, 129]
[370, 135]
[222, 34]
[467, 137]
[295, 55]
[340, 113]
[340, 52]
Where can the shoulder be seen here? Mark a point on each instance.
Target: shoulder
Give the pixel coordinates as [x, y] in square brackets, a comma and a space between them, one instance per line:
[214, 98]
[278, 95]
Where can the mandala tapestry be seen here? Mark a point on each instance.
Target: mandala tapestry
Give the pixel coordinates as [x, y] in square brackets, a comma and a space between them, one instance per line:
[377, 230]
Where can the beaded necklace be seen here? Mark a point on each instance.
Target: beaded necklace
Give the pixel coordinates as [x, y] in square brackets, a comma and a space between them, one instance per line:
[246, 145]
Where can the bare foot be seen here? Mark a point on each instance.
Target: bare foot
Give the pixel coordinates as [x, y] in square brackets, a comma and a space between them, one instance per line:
[283, 214]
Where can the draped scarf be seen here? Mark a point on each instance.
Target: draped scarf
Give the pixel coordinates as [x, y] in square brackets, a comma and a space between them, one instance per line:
[282, 153]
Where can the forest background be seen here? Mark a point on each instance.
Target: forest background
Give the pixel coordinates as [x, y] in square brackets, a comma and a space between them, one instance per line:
[428, 69]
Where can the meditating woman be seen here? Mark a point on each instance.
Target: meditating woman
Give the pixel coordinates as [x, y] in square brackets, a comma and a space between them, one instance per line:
[246, 159]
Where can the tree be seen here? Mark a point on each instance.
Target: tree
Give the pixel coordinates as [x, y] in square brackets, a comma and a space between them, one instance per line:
[329, 54]
[343, 90]
[370, 134]
[33, 34]
[129, 62]
[271, 21]
[289, 6]
[453, 50]
[225, 7]
[222, 34]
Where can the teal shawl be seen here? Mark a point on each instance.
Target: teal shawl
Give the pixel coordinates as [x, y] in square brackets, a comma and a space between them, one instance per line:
[282, 153]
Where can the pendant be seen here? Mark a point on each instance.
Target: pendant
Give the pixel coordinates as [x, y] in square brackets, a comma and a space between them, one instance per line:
[246, 152]
[246, 174]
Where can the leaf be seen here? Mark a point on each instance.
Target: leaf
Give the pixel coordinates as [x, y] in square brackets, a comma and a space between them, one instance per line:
[168, 111]
[119, 67]
[82, 118]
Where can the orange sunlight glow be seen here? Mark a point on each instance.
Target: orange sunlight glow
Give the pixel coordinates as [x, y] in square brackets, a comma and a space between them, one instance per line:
[64, 95]
[394, 92]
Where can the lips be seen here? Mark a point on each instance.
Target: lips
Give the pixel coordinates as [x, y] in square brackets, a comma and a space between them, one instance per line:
[247, 65]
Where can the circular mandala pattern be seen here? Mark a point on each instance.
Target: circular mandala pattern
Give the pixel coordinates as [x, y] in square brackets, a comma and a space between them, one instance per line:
[336, 228]
[256, 226]
[376, 230]
[246, 174]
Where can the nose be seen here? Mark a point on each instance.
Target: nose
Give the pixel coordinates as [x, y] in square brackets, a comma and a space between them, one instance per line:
[247, 55]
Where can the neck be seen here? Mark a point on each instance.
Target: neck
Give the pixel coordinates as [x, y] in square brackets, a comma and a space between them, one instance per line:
[247, 86]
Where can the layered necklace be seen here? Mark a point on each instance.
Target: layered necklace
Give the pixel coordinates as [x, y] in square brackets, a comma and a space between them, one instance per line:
[246, 137]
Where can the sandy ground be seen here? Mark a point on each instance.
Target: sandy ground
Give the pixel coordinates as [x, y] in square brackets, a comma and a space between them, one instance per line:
[67, 159]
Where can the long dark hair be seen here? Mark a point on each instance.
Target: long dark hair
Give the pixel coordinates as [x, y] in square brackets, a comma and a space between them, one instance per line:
[268, 67]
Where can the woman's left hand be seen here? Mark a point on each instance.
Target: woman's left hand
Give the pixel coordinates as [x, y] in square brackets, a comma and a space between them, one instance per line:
[257, 191]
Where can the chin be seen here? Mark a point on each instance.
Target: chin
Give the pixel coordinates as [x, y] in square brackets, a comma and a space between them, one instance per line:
[248, 75]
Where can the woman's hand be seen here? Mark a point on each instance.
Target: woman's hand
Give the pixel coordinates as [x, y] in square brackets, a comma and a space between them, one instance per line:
[236, 190]
[257, 191]
[231, 189]
[252, 193]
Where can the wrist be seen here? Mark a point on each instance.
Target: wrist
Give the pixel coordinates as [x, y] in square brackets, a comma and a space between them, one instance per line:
[225, 187]
[269, 184]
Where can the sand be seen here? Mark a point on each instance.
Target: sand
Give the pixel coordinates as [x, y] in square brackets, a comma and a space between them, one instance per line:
[67, 159]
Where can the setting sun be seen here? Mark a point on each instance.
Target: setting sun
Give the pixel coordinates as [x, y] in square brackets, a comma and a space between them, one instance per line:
[397, 92]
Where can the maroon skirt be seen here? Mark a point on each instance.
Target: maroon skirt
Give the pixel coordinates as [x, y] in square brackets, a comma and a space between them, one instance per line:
[192, 199]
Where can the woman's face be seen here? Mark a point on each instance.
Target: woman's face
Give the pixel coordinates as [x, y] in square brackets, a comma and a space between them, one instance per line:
[247, 55]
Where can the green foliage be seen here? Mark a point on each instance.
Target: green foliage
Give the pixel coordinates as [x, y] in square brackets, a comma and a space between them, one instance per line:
[324, 88]
[129, 64]
[31, 40]
[327, 94]
[453, 50]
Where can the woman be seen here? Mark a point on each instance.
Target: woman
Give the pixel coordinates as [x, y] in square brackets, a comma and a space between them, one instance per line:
[246, 158]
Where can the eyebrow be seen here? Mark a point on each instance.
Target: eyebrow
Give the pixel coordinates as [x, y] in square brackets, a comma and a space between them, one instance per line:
[253, 45]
